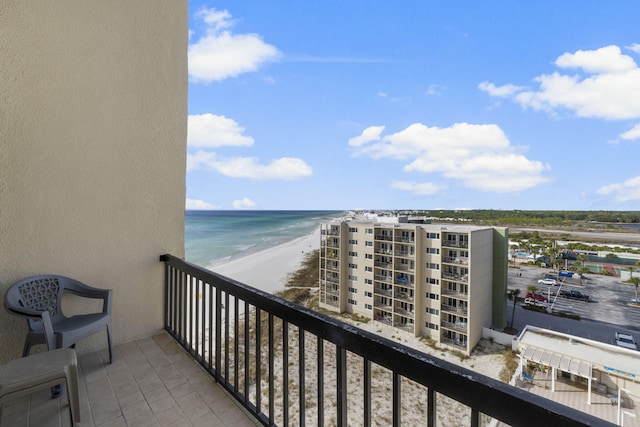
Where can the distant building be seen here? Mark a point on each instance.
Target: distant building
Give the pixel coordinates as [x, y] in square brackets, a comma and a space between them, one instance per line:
[440, 282]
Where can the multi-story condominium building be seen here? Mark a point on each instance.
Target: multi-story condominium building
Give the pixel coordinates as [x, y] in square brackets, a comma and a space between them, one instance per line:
[442, 282]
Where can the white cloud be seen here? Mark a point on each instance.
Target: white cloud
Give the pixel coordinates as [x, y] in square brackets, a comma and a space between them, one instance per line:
[422, 189]
[500, 91]
[631, 134]
[627, 191]
[479, 156]
[196, 204]
[220, 54]
[607, 59]
[244, 203]
[372, 133]
[635, 47]
[285, 168]
[434, 90]
[210, 130]
[606, 85]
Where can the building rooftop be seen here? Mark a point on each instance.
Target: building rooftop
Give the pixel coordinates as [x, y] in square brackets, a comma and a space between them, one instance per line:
[604, 357]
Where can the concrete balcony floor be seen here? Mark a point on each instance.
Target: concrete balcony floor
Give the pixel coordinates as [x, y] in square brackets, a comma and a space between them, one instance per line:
[152, 382]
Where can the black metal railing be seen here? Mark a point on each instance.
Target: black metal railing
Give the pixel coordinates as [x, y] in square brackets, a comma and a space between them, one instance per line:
[289, 365]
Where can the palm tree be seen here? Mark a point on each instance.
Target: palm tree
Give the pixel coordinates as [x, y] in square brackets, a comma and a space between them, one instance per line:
[634, 280]
[513, 295]
[582, 258]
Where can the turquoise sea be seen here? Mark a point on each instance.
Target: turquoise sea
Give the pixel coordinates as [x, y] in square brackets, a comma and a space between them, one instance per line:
[215, 237]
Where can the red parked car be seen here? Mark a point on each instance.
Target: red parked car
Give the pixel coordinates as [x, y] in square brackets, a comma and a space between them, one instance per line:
[537, 297]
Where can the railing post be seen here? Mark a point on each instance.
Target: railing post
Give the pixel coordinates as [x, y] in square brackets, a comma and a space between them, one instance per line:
[301, 372]
[272, 373]
[320, 375]
[397, 400]
[431, 407]
[285, 372]
[341, 383]
[367, 392]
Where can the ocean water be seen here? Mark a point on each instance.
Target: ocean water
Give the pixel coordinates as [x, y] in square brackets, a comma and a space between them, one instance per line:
[215, 237]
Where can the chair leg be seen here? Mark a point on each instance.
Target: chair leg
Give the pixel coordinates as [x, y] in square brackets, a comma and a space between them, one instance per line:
[26, 348]
[109, 342]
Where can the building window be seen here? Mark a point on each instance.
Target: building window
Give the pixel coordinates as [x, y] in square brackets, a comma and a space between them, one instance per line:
[352, 253]
[368, 294]
[352, 290]
[368, 269]
[352, 302]
[368, 307]
[353, 278]
[433, 235]
[352, 265]
[368, 256]
[433, 311]
[353, 229]
[368, 243]
[353, 242]
[368, 230]
[433, 296]
[433, 266]
[432, 281]
[434, 251]
[431, 326]
[368, 282]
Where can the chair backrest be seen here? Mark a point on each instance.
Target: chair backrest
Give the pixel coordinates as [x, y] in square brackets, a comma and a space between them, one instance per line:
[37, 293]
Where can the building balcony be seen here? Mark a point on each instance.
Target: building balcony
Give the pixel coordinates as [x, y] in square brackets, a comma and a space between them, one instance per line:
[453, 309]
[384, 237]
[455, 293]
[383, 251]
[381, 291]
[383, 264]
[455, 260]
[456, 326]
[403, 296]
[454, 343]
[401, 239]
[404, 254]
[455, 244]
[221, 362]
[455, 277]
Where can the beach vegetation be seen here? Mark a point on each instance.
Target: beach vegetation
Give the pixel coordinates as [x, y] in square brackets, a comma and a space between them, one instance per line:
[510, 365]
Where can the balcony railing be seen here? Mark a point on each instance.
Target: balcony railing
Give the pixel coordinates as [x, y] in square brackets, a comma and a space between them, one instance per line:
[249, 341]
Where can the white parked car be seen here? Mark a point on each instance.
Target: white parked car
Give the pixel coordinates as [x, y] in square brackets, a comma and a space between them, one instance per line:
[547, 281]
[534, 302]
[626, 341]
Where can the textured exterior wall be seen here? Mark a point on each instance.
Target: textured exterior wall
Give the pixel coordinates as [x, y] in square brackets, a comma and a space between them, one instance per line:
[93, 116]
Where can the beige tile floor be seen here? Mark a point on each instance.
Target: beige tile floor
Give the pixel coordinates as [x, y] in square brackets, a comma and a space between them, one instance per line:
[152, 382]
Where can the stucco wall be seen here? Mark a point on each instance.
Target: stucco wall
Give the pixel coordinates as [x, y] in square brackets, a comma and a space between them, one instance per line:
[93, 115]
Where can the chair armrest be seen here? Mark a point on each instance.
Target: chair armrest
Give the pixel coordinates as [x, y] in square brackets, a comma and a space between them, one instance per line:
[80, 289]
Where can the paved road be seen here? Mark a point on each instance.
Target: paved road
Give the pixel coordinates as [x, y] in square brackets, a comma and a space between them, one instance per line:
[607, 313]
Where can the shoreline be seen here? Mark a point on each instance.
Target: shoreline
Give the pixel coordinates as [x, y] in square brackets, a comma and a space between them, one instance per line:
[268, 270]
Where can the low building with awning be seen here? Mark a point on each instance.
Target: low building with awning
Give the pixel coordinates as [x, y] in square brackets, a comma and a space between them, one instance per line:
[603, 368]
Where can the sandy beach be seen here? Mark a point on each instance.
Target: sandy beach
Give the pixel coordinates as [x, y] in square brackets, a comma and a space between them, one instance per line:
[268, 270]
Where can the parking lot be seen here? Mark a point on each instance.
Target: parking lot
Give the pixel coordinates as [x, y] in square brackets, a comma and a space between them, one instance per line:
[609, 297]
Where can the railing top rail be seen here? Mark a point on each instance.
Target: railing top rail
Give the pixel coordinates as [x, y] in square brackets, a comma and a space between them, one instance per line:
[506, 403]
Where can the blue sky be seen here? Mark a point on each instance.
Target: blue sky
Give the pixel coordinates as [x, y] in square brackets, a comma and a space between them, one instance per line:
[414, 105]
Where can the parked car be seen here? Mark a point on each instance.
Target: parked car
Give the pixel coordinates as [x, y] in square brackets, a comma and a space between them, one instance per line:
[574, 295]
[626, 341]
[535, 296]
[548, 281]
[534, 302]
